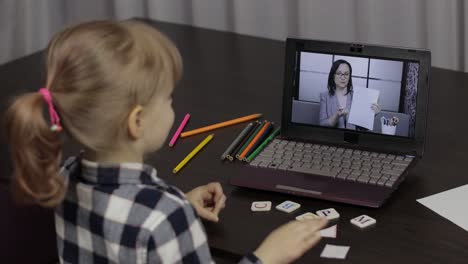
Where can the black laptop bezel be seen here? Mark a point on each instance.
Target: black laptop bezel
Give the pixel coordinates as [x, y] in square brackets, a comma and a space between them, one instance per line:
[364, 140]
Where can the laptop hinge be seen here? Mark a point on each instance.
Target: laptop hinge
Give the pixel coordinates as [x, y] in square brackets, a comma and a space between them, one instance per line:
[352, 138]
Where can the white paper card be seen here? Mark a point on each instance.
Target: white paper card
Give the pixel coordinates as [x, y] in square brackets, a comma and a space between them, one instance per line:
[336, 252]
[361, 113]
[450, 204]
[329, 232]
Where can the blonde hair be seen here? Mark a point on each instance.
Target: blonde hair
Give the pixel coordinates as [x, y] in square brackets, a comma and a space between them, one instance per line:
[96, 73]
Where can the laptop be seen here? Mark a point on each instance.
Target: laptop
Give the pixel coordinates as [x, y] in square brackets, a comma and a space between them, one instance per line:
[353, 123]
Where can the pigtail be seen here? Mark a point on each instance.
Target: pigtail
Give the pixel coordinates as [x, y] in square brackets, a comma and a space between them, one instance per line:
[35, 151]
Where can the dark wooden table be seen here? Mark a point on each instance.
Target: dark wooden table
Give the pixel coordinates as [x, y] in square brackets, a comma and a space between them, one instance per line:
[228, 75]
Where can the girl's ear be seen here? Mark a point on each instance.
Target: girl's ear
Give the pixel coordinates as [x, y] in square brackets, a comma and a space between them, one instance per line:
[134, 123]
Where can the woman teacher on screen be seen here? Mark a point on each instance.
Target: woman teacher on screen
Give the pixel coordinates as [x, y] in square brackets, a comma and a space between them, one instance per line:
[336, 103]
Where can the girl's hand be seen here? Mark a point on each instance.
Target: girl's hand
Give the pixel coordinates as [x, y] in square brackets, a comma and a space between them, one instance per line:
[290, 241]
[208, 200]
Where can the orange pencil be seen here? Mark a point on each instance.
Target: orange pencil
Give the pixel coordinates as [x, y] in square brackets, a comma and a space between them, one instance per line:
[259, 134]
[219, 125]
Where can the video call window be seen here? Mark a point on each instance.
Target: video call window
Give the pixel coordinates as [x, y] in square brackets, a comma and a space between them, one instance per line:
[396, 82]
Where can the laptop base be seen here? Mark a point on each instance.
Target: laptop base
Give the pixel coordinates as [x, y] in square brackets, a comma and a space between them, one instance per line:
[313, 186]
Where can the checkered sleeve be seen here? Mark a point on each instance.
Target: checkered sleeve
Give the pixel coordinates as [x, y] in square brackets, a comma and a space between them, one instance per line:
[181, 238]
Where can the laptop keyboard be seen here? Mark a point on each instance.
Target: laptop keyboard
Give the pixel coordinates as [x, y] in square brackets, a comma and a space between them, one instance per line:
[335, 162]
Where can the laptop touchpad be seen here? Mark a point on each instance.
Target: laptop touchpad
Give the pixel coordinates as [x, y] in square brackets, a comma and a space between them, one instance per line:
[314, 190]
[298, 183]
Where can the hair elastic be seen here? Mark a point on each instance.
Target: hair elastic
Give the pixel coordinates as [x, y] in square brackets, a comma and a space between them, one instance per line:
[54, 118]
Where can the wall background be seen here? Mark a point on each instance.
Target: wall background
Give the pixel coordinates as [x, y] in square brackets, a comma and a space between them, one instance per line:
[27, 25]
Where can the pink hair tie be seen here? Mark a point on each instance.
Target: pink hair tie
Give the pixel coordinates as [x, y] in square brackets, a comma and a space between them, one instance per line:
[54, 118]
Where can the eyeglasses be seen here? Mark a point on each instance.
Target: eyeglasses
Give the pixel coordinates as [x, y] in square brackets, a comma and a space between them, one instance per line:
[340, 75]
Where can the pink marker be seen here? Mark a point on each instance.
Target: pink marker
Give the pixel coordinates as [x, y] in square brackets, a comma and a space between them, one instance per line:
[179, 130]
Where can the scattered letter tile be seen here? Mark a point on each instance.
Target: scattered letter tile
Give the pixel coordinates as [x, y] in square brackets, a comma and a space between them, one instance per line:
[288, 206]
[306, 216]
[329, 213]
[261, 206]
[363, 221]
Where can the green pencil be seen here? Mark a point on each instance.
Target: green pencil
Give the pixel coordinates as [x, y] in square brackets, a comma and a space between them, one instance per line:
[264, 143]
[250, 139]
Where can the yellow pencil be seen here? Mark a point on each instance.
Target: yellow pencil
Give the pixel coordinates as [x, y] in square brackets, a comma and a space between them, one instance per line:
[193, 153]
[219, 125]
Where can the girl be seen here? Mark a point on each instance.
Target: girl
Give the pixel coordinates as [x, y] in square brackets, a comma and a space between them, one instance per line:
[109, 87]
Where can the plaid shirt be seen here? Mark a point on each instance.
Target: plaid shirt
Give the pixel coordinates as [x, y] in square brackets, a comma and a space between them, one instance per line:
[124, 213]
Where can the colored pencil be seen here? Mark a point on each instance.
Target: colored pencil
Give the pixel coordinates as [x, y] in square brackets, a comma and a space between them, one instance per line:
[193, 153]
[263, 145]
[236, 141]
[259, 141]
[255, 139]
[237, 149]
[219, 125]
[179, 130]
[247, 141]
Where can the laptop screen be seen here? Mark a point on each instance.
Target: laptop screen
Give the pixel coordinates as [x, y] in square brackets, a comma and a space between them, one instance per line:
[359, 93]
